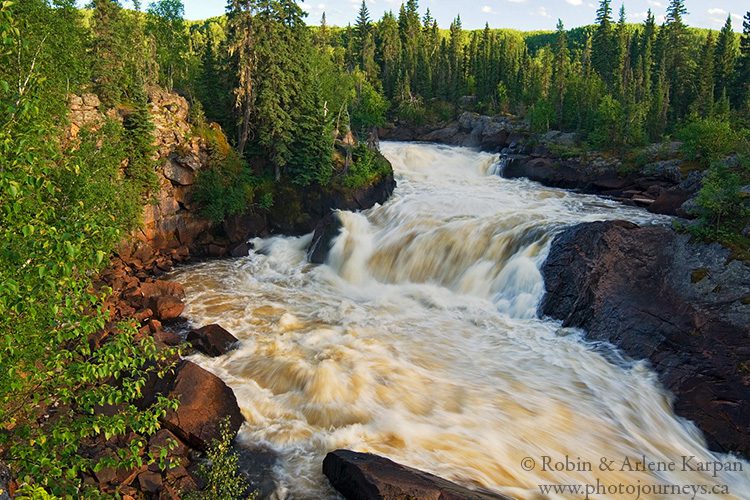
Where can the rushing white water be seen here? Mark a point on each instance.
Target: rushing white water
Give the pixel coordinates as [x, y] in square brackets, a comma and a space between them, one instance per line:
[419, 341]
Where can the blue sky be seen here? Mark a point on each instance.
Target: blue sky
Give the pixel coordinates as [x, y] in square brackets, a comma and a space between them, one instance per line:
[519, 14]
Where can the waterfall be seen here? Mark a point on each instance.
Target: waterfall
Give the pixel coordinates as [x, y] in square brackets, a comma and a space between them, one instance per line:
[419, 340]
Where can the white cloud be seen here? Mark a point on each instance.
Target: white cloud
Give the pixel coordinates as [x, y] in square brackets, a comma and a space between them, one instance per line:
[487, 9]
[574, 2]
[655, 3]
[716, 12]
[516, 1]
[542, 11]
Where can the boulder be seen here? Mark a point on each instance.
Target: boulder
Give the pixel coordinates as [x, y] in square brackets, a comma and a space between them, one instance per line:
[167, 308]
[669, 202]
[325, 233]
[545, 171]
[659, 296]
[212, 340]
[363, 476]
[205, 401]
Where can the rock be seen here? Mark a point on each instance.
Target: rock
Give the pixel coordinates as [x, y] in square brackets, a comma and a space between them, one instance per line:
[4, 482]
[241, 250]
[363, 476]
[240, 228]
[667, 169]
[166, 337]
[167, 308]
[545, 171]
[205, 401]
[178, 173]
[164, 439]
[447, 135]
[636, 287]
[150, 481]
[212, 340]
[91, 100]
[326, 232]
[669, 202]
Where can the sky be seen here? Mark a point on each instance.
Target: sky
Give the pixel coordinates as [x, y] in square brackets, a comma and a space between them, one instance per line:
[518, 14]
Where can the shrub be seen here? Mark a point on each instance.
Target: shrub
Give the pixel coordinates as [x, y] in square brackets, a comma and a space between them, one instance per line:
[721, 207]
[368, 166]
[221, 471]
[540, 115]
[710, 139]
[227, 187]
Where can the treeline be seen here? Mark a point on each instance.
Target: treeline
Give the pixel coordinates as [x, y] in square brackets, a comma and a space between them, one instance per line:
[625, 84]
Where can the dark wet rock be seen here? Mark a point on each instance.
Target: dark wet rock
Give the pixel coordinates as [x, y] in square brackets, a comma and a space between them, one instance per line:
[554, 173]
[670, 202]
[205, 401]
[657, 295]
[4, 482]
[326, 232]
[212, 340]
[149, 481]
[302, 211]
[363, 476]
[258, 465]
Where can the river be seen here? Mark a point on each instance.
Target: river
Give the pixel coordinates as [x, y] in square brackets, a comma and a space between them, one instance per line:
[420, 341]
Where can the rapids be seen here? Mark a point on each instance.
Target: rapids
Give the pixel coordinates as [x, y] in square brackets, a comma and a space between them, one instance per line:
[419, 341]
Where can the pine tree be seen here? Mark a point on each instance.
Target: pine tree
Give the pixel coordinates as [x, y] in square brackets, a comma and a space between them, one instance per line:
[679, 68]
[647, 56]
[241, 44]
[724, 60]
[455, 60]
[704, 101]
[741, 94]
[109, 67]
[323, 35]
[389, 52]
[622, 56]
[362, 30]
[560, 71]
[603, 43]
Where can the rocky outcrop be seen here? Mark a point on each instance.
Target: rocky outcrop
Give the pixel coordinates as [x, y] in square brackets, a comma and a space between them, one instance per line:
[489, 133]
[657, 295]
[556, 159]
[212, 340]
[325, 233]
[363, 476]
[205, 401]
[301, 212]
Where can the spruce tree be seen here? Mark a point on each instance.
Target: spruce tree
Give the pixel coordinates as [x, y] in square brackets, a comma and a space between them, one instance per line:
[679, 68]
[741, 94]
[724, 60]
[455, 60]
[560, 71]
[603, 43]
[704, 101]
[241, 45]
